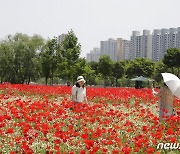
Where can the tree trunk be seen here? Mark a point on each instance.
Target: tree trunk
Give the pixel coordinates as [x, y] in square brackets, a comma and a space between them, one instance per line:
[105, 81]
[52, 79]
[1, 80]
[116, 81]
[46, 80]
[29, 79]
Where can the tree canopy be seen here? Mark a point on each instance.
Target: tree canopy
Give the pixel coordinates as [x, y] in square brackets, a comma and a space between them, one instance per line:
[26, 58]
[140, 67]
[172, 60]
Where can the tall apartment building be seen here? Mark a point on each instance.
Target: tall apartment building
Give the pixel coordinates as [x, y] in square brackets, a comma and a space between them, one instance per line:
[135, 45]
[61, 38]
[120, 53]
[178, 37]
[165, 42]
[173, 37]
[94, 55]
[125, 49]
[147, 44]
[156, 45]
[164, 39]
[141, 45]
[116, 49]
[109, 48]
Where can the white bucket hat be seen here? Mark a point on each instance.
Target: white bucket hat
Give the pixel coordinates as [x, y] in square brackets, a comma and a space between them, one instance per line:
[80, 78]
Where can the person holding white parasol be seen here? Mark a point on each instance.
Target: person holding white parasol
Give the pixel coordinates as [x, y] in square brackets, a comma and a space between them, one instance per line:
[167, 94]
[165, 102]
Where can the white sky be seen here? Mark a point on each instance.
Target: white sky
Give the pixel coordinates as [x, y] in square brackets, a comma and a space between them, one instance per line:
[91, 20]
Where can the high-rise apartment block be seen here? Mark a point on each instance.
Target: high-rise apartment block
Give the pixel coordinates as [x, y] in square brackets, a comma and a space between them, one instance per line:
[151, 46]
[156, 45]
[123, 48]
[164, 39]
[61, 38]
[94, 55]
[141, 45]
[135, 45]
[115, 49]
[109, 48]
[178, 38]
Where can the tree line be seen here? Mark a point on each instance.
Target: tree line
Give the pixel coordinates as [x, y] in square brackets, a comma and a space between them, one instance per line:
[25, 59]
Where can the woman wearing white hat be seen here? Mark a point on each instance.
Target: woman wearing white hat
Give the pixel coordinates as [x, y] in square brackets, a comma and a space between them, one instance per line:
[79, 91]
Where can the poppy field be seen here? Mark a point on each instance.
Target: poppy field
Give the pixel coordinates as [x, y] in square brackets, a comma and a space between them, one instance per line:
[43, 119]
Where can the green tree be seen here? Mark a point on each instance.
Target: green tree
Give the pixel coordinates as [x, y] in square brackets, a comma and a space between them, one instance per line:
[140, 67]
[37, 68]
[17, 52]
[105, 67]
[6, 62]
[19, 49]
[91, 72]
[50, 57]
[79, 68]
[118, 70]
[70, 51]
[34, 44]
[160, 67]
[172, 60]
[94, 66]
[45, 65]
[90, 75]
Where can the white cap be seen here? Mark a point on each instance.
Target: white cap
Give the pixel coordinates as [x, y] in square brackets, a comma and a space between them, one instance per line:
[80, 78]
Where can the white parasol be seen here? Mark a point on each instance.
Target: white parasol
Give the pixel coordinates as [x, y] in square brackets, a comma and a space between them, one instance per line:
[173, 82]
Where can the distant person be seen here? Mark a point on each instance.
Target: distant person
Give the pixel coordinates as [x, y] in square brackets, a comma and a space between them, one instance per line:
[165, 102]
[68, 84]
[138, 84]
[79, 91]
